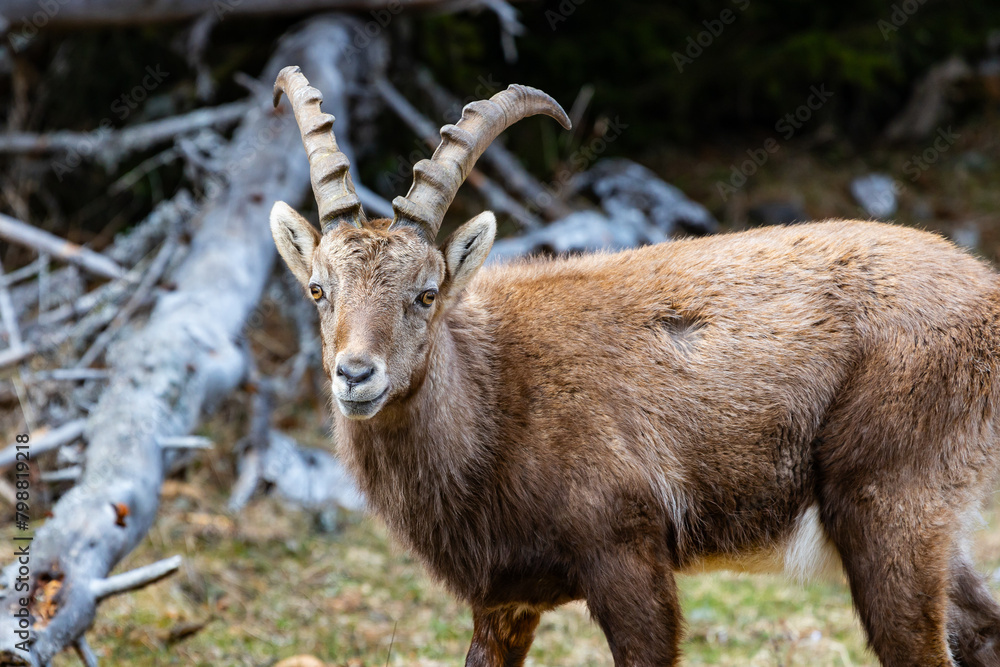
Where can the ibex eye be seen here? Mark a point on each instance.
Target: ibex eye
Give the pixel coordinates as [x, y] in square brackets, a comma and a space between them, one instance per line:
[426, 297]
[316, 291]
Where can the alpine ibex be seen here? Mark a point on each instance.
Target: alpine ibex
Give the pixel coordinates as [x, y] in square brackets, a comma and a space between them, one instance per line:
[805, 398]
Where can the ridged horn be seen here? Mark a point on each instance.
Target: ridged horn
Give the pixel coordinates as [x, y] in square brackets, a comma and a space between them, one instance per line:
[436, 180]
[329, 168]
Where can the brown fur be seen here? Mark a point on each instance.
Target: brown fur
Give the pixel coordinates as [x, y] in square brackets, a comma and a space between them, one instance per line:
[585, 427]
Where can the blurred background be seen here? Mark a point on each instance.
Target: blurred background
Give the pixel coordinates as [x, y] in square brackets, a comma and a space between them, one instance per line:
[165, 368]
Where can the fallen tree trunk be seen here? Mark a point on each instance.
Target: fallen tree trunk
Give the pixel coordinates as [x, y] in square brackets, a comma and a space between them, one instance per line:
[185, 359]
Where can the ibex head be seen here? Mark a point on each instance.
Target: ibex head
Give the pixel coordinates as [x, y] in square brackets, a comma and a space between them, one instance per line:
[380, 286]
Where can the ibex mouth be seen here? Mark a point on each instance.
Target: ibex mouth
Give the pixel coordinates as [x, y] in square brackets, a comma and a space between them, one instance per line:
[362, 409]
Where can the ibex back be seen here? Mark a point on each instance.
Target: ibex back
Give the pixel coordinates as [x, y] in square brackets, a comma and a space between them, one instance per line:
[813, 398]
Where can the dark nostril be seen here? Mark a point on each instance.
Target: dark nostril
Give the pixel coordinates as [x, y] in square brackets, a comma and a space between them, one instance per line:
[354, 373]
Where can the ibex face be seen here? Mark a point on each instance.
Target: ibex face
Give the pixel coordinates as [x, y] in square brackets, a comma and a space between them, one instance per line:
[380, 286]
[379, 290]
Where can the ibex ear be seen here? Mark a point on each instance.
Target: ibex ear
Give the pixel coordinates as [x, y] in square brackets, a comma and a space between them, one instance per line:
[466, 250]
[296, 239]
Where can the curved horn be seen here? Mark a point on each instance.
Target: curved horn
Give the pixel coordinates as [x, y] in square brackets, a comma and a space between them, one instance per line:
[436, 181]
[329, 168]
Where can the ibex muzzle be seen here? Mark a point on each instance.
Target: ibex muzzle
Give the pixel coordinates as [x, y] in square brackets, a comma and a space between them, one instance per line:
[811, 398]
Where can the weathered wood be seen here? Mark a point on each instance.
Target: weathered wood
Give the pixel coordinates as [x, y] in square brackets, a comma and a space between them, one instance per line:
[185, 359]
[150, 278]
[8, 316]
[21, 233]
[14, 355]
[134, 579]
[638, 208]
[48, 442]
[108, 146]
[186, 442]
[86, 654]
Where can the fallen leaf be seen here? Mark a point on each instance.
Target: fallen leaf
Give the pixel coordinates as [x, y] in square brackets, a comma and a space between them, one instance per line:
[44, 602]
[301, 661]
[183, 630]
[121, 511]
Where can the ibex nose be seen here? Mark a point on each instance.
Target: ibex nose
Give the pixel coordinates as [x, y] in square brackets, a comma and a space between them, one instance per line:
[355, 371]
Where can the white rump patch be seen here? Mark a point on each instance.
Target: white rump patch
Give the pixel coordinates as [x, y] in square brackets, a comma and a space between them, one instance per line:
[809, 553]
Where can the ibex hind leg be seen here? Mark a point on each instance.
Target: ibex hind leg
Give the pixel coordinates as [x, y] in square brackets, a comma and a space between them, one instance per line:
[973, 618]
[897, 565]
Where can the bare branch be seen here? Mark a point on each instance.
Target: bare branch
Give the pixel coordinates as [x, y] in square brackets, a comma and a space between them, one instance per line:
[69, 474]
[8, 492]
[86, 654]
[110, 146]
[51, 440]
[23, 273]
[309, 477]
[18, 232]
[8, 315]
[67, 375]
[135, 579]
[149, 279]
[186, 442]
[373, 202]
[14, 355]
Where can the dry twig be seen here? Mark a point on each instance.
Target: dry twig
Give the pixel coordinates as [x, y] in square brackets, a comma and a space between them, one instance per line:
[48, 442]
[110, 146]
[18, 232]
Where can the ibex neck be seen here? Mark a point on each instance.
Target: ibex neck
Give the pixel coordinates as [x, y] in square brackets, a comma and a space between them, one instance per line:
[421, 454]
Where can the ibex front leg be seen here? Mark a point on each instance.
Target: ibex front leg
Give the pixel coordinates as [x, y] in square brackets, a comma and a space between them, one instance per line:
[501, 637]
[633, 597]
